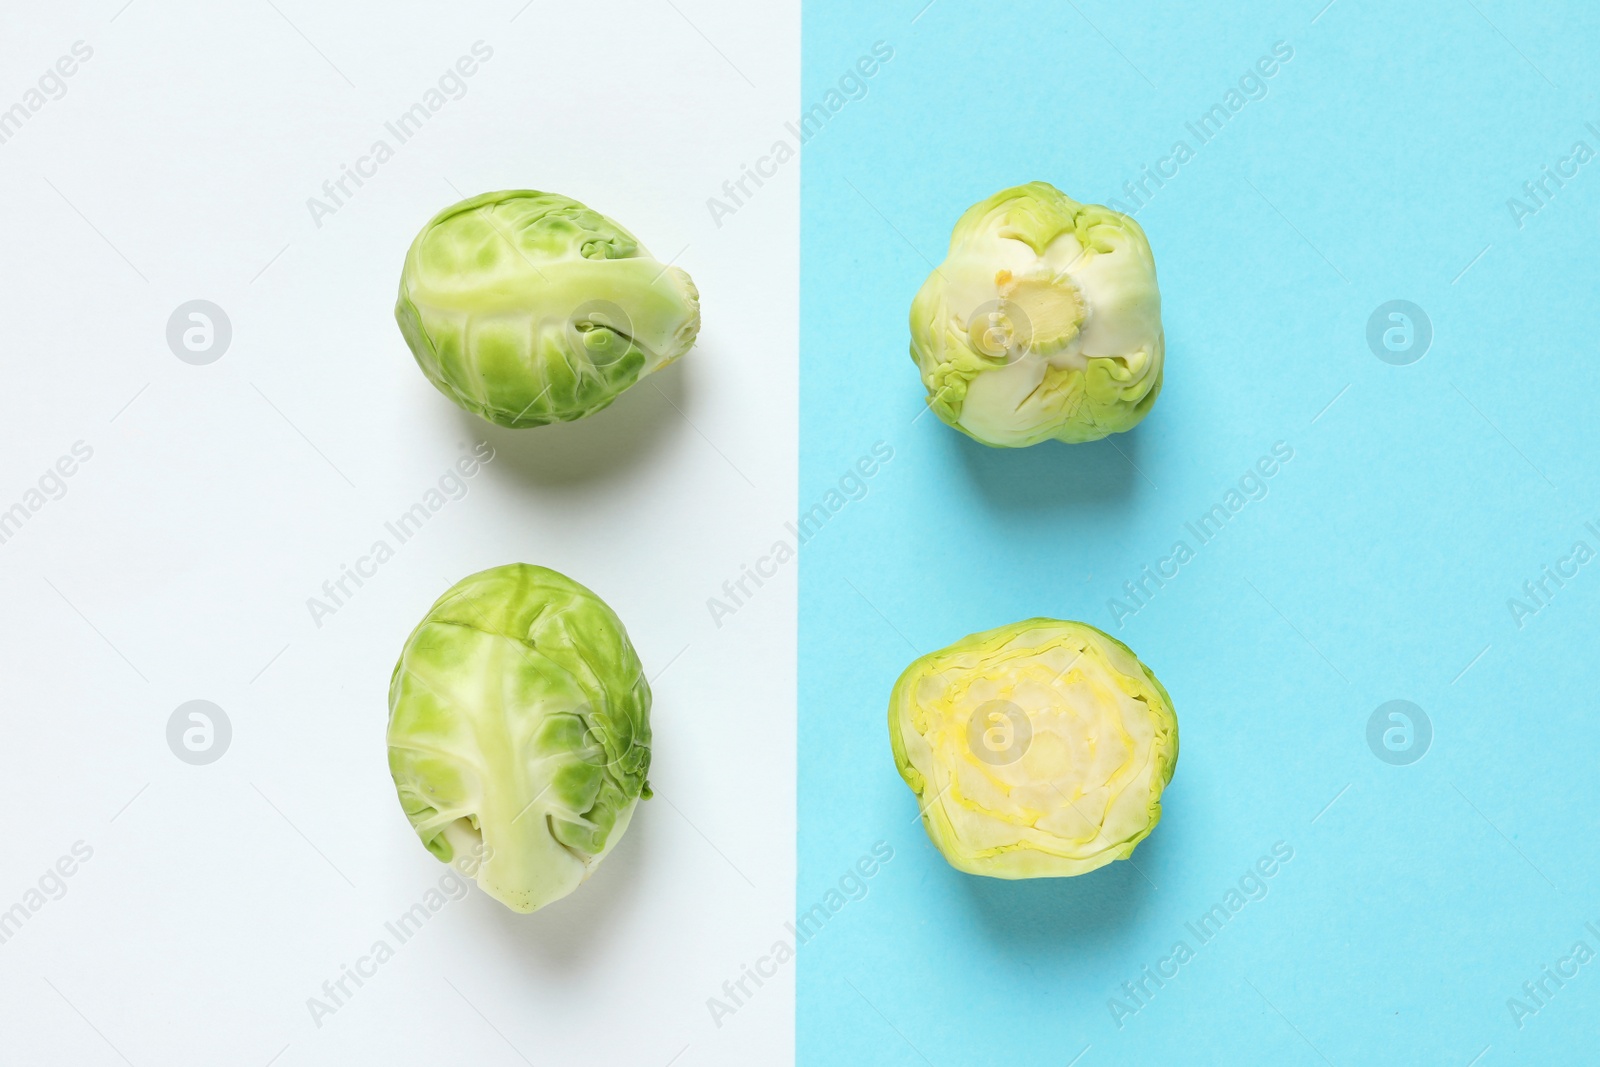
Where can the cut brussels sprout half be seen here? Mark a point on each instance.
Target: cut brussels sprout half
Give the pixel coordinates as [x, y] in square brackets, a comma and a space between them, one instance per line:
[529, 308]
[1043, 322]
[519, 732]
[1038, 749]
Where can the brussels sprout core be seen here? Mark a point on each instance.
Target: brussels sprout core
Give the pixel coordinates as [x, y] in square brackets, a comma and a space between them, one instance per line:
[1037, 749]
[1044, 321]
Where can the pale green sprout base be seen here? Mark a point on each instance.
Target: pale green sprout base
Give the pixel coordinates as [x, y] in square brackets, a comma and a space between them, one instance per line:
[1044, 321]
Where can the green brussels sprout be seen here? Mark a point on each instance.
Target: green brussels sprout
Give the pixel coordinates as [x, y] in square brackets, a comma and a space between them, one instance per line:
[1036, 750]
[529, 308]
[519, 732]
[1044, 321]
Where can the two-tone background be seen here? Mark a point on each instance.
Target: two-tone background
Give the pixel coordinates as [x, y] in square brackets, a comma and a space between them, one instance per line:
[1374, 228]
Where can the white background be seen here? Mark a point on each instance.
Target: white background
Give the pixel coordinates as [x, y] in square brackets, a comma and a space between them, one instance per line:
[178, 563]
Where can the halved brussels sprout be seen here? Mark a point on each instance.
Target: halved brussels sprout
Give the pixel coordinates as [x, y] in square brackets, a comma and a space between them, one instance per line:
[519, 731]
[529, 308]
[1038, 749]
[1044, 321]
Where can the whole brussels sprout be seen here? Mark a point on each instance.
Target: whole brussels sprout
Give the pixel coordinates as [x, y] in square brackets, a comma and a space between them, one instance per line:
[1038, 749]
[529, 308]
[1044, 321]
[519, 731]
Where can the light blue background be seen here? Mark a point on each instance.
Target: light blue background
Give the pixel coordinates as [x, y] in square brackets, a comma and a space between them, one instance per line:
[1378, 567]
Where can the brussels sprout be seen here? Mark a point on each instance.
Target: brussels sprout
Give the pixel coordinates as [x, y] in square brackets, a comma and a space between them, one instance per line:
[529, 308]
[519, 731]
[1043, 321]
[1038, 749]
